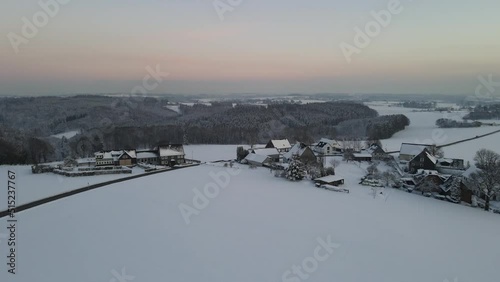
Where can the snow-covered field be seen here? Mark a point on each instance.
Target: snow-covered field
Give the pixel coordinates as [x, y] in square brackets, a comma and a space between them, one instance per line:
[423, 129]
[257, 228]
[210, 153]
[31, 187]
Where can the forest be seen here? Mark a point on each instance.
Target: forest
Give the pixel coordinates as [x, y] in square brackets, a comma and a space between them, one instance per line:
[27, 125]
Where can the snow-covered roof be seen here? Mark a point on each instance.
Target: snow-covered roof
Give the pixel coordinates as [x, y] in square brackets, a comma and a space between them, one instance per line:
[444, 160]
[297, 149]
[266, 151]
[412, 149]
[146, 155]
[131, 153]
[281, 144]
[373, 148]
[329, 178]
[431, 157]
[472, 169]
[362, 155]
[166, 152]
[256, 158]
[324, 141]
[85, 160]
[427, 172]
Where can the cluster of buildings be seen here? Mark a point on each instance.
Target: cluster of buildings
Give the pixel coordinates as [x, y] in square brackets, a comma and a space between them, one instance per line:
[448, 178]
[282, 151]
[417, 167]
[165, 155]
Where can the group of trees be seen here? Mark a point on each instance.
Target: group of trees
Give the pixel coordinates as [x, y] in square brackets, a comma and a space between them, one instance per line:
[484, 112]
[419, 104]
[449, 123]
[31, 150]
[382, 127]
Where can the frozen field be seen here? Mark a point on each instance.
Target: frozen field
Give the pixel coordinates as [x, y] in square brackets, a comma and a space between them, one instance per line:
[423, 129]
[257, 228]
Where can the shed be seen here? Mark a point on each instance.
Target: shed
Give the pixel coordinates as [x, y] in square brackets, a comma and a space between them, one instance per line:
[330, 180]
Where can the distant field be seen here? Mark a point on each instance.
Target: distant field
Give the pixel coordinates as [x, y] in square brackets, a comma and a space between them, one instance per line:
[423, 129]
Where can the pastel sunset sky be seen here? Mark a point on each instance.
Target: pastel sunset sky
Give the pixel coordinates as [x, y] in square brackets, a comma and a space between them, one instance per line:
[261, 46]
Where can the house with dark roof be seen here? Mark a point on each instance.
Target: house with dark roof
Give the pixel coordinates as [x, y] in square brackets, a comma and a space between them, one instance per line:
[302, 151]
[116, 158]
[451, 166]
[329, 180]
[172, 154]
[327, 147]
[430, 178]
[367, 155]
[282, 145]
[423, 160]
[455, 185]
[272, 153]
[148, 157]
[408, 151]
[257, 160]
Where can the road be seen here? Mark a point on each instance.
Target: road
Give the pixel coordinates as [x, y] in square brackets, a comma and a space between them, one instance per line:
[47, 200]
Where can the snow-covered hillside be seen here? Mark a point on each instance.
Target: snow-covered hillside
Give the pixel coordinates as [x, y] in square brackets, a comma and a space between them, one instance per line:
[257, 228]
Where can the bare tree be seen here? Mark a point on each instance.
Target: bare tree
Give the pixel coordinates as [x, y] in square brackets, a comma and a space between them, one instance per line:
[348, 156]
[357, 145]
[334, 163]
[486, 180]
[387, 177]
[370, 142]
[372, 169]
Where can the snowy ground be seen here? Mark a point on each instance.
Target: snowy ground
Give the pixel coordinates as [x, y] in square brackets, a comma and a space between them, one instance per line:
[423, 129]
[210, 153]
[31, 187]
[256, 228]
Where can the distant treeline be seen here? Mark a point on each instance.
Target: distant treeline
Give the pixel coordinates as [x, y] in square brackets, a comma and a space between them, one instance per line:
[419, 104]
[110, 123]
[449, 123]
[484, 112]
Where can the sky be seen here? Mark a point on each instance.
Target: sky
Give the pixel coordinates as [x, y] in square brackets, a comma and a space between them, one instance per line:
[247, 46]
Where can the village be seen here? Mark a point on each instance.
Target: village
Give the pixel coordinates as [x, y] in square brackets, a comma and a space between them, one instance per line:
[421, 169]
[417, 168]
